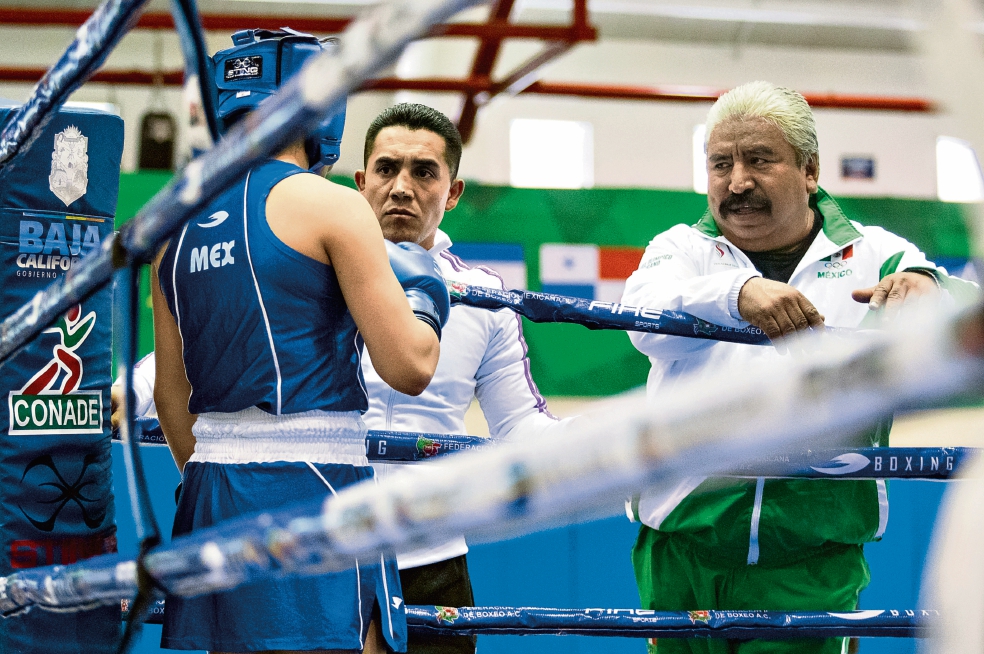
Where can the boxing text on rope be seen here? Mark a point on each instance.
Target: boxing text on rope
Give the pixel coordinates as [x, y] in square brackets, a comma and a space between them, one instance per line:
[931, 463]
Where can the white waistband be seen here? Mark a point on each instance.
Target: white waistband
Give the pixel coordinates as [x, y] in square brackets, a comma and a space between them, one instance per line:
[255, 436]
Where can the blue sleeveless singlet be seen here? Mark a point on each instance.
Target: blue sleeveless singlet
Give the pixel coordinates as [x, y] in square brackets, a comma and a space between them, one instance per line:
[262, 324]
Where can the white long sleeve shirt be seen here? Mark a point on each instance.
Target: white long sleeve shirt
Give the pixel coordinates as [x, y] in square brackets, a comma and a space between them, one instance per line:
[144, 373]
[483, 355]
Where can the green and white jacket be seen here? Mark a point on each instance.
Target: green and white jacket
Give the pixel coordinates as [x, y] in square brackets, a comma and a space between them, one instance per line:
[695, 269]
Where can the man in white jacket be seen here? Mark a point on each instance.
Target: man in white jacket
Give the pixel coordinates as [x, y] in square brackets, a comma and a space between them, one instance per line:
[773, 250]
[410, 179]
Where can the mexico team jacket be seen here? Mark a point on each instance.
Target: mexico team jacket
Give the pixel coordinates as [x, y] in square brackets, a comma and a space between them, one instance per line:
[695, 269]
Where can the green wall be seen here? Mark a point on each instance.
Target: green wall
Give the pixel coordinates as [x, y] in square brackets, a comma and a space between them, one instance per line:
[568, 359]
[135, 190]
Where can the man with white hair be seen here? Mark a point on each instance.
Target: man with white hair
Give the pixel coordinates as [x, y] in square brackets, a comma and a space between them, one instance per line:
[775, 251]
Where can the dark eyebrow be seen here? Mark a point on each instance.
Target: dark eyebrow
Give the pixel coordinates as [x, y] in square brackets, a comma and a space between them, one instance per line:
[425, 161]
[760, 149]
[719, 157]
[387, 161]
[415, 161]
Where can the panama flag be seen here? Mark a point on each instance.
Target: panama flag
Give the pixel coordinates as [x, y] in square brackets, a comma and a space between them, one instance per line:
[587, 271]
[505, 259]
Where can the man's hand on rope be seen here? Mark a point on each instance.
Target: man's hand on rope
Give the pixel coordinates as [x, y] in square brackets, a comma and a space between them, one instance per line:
[777, 309]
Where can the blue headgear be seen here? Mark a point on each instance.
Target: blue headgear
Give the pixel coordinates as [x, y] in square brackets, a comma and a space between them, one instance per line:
[255, 67]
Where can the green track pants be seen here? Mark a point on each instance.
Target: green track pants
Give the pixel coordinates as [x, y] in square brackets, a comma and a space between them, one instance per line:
[672, 577]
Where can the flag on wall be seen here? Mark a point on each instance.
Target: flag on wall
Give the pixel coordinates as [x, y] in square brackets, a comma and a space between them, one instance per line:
[506, 259]
[588, 271]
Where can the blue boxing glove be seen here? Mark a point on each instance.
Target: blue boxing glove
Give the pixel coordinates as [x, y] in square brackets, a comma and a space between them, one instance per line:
[422, 283]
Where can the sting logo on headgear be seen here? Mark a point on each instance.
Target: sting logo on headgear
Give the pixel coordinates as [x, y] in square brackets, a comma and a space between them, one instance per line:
[241, 83]
[250, 67]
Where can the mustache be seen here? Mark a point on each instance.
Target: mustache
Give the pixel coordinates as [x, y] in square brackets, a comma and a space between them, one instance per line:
[749, 199]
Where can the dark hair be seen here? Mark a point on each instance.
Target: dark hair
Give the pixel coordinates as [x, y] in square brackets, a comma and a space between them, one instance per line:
[414, 117]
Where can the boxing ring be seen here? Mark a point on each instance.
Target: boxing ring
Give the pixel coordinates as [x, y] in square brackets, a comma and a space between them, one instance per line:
[735, 425]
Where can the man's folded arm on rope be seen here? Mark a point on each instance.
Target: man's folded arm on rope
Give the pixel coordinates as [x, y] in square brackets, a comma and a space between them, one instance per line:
[668, 278]
[404, 349]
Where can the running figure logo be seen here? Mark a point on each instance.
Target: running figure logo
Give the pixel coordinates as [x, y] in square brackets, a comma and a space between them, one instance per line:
[50, 402]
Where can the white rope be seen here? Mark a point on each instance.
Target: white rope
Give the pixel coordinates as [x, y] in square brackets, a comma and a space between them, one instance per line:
[953, 580]
[698, 427]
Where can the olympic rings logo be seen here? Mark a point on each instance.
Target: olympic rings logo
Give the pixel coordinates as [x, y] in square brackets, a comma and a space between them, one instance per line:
[836, 265]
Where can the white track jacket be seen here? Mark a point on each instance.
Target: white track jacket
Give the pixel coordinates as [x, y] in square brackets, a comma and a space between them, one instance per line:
[695, 269]
[483, 355]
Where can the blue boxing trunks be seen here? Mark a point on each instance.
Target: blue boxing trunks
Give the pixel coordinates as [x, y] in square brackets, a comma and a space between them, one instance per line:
[252, 461]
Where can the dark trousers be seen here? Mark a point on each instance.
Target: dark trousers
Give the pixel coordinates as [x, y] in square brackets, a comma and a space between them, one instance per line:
[445, 583]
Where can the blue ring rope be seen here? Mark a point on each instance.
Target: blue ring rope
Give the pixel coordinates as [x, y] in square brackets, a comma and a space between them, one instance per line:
[271, 128]
[188, 25]
[931, 463]
[642, 623]
[769, 625]
[548, 307]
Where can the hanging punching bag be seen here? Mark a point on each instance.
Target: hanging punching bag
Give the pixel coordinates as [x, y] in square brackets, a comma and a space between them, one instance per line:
[157, 134]
[57, 203]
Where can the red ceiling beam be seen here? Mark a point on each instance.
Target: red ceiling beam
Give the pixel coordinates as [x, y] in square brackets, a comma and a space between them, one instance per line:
[571, 89]
[130, 77]
[478, 90]
[526, 73]
[495, 29]
[677, 94]
[873, 102]
[645, 93]
[163, 20]
[481, 71]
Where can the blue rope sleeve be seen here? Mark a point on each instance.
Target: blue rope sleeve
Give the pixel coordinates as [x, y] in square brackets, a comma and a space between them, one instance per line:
[643, 623]
[547, 307]
[188, 25]
[932, 463]
[636, 623]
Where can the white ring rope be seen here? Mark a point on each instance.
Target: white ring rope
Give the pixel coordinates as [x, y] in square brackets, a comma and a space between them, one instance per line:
[696, 428]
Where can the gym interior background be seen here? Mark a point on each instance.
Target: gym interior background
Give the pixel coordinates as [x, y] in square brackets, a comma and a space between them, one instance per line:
[569, 203]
